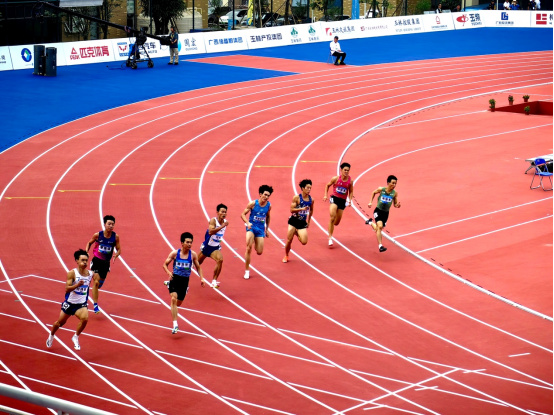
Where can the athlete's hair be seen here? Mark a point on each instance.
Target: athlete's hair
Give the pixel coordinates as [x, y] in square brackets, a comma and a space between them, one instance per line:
[265, 188]
[304, 183]
[343, 165]
[220, 206]
[186, 235]
[77, 254]
[391, 178]
[108, 217]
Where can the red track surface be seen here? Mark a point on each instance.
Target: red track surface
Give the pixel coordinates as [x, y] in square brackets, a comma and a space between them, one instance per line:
[332, 329]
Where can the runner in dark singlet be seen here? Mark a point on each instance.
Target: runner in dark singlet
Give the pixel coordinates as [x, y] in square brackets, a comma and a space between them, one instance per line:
[302, 209]
[343, 188]
[104, 243]
[387, 197]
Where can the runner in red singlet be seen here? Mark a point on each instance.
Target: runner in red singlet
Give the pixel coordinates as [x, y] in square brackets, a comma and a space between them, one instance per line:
[342, 189]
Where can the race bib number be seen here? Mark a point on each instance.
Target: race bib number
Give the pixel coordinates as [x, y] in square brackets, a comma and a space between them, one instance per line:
[182, 265]
[342, 190]
[386, 199]
[216, 238]
[105, 249]
[259, 219]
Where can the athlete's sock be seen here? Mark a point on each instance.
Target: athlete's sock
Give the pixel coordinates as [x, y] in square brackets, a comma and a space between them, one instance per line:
[380, 245]
[247, 274]
[175, 323]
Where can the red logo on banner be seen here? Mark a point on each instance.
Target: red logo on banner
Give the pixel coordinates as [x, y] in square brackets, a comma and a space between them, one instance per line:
[328, 31]
[541, 18]
[463, 19]
[74, 55]
[438, 19]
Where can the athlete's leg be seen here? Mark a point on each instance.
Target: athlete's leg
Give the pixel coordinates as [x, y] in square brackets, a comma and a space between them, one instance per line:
[174, 304]
[378, 229]
[249, 243]
[259, 245]
[201, 257]
[95, 287]
[302, 236]
[339, 216]
[290, 236]
[217, 256]
[62, 319]
[82, 315]
[333, 217]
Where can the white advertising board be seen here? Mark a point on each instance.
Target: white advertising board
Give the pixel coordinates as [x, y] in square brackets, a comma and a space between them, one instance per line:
[5, 59]
[22, 56]
[272, 36]
[191, 44]
[346, 29]
[307, 33]
[375, 27]
[92, 51]
[225, 41]
[507, 18]
[402, 25]
[469, 20]
[437, 22]
[542, 19]
[188, 44]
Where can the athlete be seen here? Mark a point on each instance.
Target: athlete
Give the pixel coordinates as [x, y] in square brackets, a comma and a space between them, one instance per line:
[104, 243]
[76, 297]
[302, 209]
[343, 189]
[257, 226]
[211, 247]
[178, 283]
[387, 197]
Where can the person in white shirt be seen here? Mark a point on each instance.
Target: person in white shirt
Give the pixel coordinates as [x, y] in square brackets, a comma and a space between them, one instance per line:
[537, 4]
[506, 5]
[336, 51]
[439, 8]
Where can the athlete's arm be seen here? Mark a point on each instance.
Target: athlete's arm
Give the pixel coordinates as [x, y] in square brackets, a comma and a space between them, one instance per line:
[375, 192]
[213, 230]
[92, 240]
[296, 202]
[311, 213]
[245, 212]
[168, 261]
[267, 220]
[197, 265]
[396, 202]
[69, 286]
[351, 192]
[332, 182]
[118, 247]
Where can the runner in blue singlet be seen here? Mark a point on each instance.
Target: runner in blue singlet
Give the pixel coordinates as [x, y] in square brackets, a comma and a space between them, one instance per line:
[211, 247]
[302, 209]
[257, 226]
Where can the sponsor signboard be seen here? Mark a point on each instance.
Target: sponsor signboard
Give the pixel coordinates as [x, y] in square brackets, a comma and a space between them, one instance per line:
[273, 36]
[542, 19]
[507, 18]
[226, 41]
[375, 27]
[92, 51]
[191, 44]
[469, 20]
[305, 33]
[22, 56]
[5, 59]
[346, 29]
[437, 22]
[402, 25]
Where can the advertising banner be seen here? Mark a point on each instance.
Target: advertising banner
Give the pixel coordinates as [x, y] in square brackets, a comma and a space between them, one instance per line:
[92, 51]
[226, 41]
[22, 56]
[5, 59]
[271, 36]
[346, 29]
[507, 18]
[542, 19]
[469, 20]
[305, 33]
[375, 27]
[402, 25]
[437, 22]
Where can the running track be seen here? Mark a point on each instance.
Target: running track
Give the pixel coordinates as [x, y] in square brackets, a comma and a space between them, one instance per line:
[340, 330]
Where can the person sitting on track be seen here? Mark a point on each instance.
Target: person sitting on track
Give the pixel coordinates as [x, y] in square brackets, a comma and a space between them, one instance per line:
[387, 197]
[76, 297]
[302, 209]
[211, 247]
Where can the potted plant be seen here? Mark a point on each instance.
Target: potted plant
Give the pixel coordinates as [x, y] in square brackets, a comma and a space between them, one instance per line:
[525, 98]
[492, 103]
[527, 110]
[511, 99]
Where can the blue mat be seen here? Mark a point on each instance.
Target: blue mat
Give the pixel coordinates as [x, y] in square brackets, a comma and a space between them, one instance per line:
[31, 104]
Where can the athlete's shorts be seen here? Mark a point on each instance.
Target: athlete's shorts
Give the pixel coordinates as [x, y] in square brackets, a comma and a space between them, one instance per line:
[207, 250]
[380, 216]
[70, 309]
[298, 223]
[179, 285]
[258, 232]
[341, 203]
[101, 267]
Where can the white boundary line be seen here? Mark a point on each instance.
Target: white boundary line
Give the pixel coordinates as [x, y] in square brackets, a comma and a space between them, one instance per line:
[432, 119]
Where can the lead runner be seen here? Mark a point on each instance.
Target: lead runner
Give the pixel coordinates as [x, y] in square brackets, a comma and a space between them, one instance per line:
[302, 209]
[387, 197]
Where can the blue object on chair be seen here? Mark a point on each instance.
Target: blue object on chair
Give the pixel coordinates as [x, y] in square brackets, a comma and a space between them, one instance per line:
[333, 58]
[541, 170]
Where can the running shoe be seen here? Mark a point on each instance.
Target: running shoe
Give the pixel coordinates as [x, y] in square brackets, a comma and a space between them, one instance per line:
[368, 222]
[330, 242]
[76, 344]
[247, 275]
[285, 259]
[166, 283]
[49, 341]
[215, 284]
[175, 330]
[382, 249]
[96, 308]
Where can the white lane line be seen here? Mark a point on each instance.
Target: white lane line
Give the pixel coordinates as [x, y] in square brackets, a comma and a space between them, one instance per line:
[398, 409]
[278, 353]
[474, 371]
[157, 325]
[37, 350]
[427, 387]
[327, 392]
[17, 278]
[337, 342]
[99, 337]
[473, 217]
[41, 299]
[78, 391]
[217, 315]
[432, 119]
[375, 407]
[6, 291]
[382, 377]
[521, 354]
[539, 413]
[213, 364]
[148, 377]
[469, 397]
[486, 233]
[19, 318]
[258, 406]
